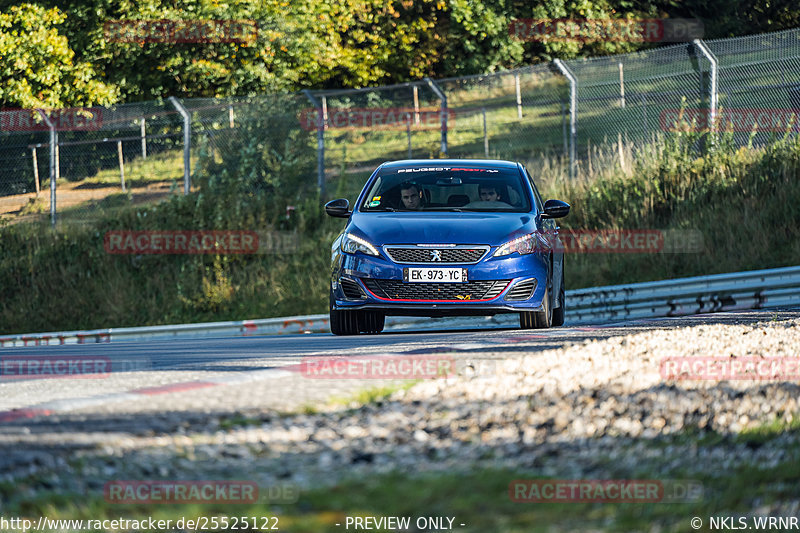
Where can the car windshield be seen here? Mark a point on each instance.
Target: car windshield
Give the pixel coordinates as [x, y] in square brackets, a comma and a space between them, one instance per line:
[447, 188]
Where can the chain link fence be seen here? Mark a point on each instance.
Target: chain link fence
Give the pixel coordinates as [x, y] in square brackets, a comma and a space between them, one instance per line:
[553, 114]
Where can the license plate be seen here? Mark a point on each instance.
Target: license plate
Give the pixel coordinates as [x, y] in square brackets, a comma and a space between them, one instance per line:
[435, 275]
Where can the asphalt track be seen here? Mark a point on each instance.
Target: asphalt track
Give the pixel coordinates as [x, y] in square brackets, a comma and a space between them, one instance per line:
[177, 367]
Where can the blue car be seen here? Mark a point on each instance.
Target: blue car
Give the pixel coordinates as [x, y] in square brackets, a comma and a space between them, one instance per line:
[447, 238]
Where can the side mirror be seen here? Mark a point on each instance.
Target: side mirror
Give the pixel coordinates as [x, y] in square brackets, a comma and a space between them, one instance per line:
[339, 208]
[555, 209]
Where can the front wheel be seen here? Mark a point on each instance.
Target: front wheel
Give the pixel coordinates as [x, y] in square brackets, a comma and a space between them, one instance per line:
[342, 322]
[355, 322]
[538, 319]
[371, 321]
[558, 312]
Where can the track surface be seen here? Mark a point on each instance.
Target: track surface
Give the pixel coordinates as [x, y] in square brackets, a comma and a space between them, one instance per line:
[240, 374]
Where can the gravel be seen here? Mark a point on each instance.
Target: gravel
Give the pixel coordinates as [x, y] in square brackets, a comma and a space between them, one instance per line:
[594, 409]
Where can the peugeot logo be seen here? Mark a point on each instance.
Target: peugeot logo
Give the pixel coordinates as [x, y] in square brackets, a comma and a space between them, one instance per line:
[436, 255]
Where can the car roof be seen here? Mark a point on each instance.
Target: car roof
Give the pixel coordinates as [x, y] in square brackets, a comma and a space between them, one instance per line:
[483, 163]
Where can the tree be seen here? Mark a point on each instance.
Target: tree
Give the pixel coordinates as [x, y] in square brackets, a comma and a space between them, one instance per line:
[37, 67]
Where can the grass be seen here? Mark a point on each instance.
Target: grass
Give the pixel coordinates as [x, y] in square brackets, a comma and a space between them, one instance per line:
[167, 165]
[763, 433]
[478, 499]
[734, 196]
[368, 396]
[738, 199]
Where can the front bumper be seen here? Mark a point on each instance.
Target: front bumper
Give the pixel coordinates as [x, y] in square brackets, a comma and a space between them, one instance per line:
[363, 275]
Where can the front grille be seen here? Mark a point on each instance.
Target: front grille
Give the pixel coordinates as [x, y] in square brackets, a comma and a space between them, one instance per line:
[351, 289]
[397, 290]
[425, 255]
[522, 290]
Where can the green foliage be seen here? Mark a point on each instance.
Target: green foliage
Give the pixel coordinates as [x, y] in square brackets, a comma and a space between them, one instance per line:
[308, 43]
[37, 67]
[248, 176]
[722, 194]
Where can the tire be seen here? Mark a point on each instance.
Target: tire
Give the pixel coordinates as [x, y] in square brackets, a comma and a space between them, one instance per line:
[558, 313]
[538, 319]
[371, 321]
[343, 322]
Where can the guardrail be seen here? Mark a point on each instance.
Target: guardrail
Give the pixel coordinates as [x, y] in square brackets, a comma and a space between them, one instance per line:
[757, 289]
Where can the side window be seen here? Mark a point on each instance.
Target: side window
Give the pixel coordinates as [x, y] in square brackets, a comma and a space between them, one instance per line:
[537, 198]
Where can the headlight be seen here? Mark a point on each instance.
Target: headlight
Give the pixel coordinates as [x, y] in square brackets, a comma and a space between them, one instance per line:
[352, 244]
[527, 244]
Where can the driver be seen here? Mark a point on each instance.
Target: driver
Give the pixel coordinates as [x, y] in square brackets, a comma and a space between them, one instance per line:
[488, 193]
[411, 195]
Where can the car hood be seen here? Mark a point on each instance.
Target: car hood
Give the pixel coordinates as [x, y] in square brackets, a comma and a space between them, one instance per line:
[441, 228]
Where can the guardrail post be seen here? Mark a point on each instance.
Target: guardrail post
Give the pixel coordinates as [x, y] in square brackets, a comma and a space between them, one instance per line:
[53, 164]
[187, 144]
[320, 141]
[573, 114]
[443, 99]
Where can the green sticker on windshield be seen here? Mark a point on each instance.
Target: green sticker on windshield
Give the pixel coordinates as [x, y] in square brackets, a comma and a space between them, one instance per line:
[376, 201]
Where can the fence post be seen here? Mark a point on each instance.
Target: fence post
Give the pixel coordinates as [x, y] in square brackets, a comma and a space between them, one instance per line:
[644, 116]
[53, 165]
[187, 144]
[519, 95]
[485, 135]
[416, 104]
[443, 99]
[35, 171]
[121, 165]
[564, 127]
[621, 86]
[143, 134]
[231, 124]
[712, 89]
[320, 142]
[408, 134]
[573, 114]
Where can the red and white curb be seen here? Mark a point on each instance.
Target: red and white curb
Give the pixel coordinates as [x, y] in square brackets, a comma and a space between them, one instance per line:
[64, 406]
[292, 369]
